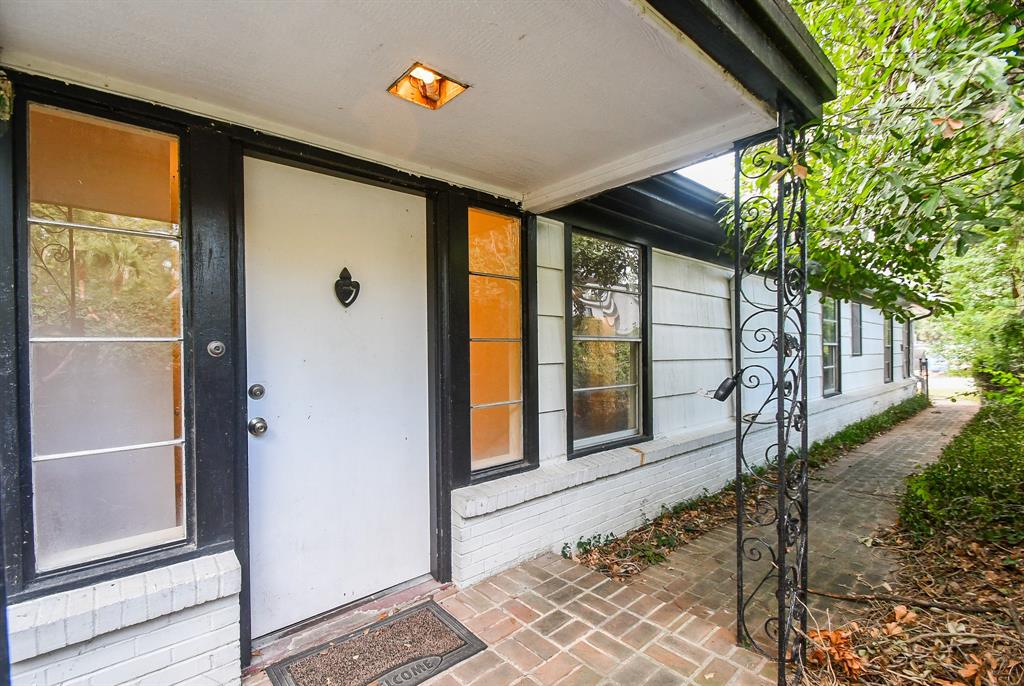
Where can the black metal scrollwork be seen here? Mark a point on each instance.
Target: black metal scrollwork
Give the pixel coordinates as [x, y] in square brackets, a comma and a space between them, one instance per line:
[770, 318]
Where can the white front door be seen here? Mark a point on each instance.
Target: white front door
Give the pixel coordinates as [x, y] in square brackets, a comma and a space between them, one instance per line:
[339, 483]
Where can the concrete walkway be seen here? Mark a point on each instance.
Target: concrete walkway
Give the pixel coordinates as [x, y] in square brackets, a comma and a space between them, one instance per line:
[551, 622]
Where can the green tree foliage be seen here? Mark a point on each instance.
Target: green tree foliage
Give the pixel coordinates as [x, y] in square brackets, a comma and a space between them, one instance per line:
[985, 282]
[922, 153]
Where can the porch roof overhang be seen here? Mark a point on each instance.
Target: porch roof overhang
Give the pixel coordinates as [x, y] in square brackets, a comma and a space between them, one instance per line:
[565, 100]
[667, 211]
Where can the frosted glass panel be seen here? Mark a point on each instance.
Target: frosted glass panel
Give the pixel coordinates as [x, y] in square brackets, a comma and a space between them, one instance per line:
[114, 171]
[95, 506]
[88, 396]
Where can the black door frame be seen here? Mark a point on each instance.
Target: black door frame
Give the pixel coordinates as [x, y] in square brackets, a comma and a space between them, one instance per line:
[440, 491]
[216, 202]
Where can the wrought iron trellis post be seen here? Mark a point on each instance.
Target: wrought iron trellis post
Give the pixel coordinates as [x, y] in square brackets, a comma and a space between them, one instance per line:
[770, 386]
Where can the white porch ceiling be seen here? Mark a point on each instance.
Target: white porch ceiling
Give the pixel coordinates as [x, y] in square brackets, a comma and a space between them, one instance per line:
[567, 98]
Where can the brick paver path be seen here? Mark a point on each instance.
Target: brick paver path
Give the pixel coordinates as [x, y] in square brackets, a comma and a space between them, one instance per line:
[849, 501]
[551, 622]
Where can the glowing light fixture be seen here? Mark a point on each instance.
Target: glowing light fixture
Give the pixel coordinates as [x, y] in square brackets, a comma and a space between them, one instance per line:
[426, 87]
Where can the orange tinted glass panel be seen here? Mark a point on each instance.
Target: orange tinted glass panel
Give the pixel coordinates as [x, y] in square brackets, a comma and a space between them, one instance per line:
[497, 435]
[493, 243]
[495, 312]
[495, 372]
[494, 308]
[103, 167]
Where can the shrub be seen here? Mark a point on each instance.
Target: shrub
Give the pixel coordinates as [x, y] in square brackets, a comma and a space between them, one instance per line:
[1005, 388]
[1002, 354]
[863, 431]
[976, 489]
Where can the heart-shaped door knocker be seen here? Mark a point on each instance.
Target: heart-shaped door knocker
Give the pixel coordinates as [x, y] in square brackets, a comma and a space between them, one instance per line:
[345, 288]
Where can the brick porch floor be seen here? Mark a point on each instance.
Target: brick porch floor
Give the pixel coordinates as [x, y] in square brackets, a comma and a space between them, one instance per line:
[552, 622]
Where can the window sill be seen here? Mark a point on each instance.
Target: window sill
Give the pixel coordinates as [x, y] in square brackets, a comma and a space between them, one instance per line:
[610, 445]
[52, 622]
[479, 499]
[502, 470]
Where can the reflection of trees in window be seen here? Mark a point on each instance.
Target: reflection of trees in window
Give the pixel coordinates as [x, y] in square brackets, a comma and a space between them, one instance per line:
[607, 332]
[95, 283]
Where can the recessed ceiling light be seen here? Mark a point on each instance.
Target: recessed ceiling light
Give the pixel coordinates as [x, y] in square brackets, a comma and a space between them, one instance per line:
[426, 87]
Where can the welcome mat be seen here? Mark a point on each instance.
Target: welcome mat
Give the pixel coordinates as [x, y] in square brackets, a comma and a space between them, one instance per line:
[405, 649]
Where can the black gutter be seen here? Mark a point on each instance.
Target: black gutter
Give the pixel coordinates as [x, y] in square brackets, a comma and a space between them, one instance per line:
[763, 44]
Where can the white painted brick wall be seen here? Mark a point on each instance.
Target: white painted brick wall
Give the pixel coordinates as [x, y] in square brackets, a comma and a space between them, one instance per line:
[174, 625]
[519, 517]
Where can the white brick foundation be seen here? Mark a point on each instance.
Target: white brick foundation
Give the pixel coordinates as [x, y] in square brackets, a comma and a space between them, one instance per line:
[173, 625]
[499, 523]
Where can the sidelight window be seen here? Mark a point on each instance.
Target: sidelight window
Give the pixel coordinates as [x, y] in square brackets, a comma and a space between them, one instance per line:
[496, 339]
[106, 379]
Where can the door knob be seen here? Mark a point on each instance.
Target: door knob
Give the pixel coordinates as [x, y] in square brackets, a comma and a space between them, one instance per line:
[258, 426]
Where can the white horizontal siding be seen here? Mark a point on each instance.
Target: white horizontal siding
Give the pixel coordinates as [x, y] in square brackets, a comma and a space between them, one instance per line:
[551, 344]
[691, 317]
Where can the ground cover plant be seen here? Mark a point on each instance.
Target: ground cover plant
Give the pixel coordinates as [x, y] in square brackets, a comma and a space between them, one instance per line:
[620, 557]
[977, 486]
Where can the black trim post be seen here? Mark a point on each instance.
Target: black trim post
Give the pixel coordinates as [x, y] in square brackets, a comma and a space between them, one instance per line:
[8, 369]
[439, 366]
[457, 248]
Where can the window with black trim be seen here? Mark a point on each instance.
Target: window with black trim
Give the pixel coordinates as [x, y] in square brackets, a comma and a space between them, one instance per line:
[496, 350]
[105, 339]
[122, 460]
[887, 360]
[607, 341]
[908, 348]
[856, 329]
[830, 350]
